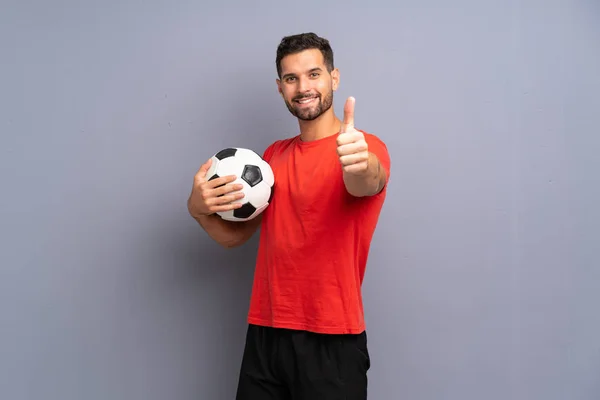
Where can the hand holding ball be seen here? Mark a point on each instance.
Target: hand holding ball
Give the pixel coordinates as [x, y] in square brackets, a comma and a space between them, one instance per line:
[235, 183]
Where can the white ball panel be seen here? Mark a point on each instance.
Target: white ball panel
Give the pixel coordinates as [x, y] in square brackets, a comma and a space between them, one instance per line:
[228, 215]
[230, 166]
[259, 194]
[247, 156]
[213, 167]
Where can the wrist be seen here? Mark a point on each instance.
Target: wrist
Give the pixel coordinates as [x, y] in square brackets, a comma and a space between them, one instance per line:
[194, 212]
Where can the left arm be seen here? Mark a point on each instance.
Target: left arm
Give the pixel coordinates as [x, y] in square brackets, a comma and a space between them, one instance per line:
[367, 182]
[364, 174]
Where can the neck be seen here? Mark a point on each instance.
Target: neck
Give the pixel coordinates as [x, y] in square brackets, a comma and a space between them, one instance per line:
[326, 124]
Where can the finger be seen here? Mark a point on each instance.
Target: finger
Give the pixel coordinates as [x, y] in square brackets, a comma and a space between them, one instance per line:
[225, 207]
[348, 122]
[224, 199]
[356, 168]
[201, 174]
[220, 181]
[351, 137]
[225, 189]
[351, 148]
[355, 158]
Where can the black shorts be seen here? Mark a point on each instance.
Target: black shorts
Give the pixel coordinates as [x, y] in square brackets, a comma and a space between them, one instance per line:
[282, 364]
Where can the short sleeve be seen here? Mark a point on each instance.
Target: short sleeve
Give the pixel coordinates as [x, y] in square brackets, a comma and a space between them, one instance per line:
[379, 148]
[268, 152]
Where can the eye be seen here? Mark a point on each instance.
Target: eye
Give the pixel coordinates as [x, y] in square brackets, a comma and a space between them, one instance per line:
[314, 74]
[290, 79]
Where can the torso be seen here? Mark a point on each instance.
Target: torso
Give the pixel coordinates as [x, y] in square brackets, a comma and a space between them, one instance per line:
[314, 242]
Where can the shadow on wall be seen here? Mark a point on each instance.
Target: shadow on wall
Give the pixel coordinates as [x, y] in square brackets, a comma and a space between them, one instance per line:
[207, 288]
[207, 285]
[253, 124]
[185, 248]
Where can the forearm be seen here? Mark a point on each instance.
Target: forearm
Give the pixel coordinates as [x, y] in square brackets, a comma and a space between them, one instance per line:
[227, 233]
[369, 182]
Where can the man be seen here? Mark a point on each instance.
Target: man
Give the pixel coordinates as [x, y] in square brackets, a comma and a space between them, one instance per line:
[306, 338]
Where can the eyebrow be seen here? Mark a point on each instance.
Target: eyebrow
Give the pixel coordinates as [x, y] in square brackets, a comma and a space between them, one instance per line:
[316, 69]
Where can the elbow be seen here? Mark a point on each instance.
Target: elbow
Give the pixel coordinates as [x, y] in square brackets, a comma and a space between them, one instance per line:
[231, 244]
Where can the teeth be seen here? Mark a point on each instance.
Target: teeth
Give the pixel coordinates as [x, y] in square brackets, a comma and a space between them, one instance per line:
[305, 100]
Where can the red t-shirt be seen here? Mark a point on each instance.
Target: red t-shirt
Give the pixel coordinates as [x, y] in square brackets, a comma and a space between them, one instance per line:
[314, 240]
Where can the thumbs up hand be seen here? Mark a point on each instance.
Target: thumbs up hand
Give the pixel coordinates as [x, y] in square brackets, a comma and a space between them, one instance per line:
[352, 147]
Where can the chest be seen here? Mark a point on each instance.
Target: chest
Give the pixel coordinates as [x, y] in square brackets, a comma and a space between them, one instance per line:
[306, 178]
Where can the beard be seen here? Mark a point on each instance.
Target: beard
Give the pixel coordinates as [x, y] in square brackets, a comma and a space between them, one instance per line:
[313, 112]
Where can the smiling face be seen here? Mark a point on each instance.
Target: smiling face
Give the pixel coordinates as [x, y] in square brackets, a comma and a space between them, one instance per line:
[306, 85]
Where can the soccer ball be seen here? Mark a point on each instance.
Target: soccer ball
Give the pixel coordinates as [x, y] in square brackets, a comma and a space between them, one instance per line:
[254, 173]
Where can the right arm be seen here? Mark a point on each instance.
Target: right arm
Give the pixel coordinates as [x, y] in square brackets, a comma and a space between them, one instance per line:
[209, 197]
[228, 234]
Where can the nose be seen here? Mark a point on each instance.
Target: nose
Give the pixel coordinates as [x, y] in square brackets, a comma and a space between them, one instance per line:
[303, 85]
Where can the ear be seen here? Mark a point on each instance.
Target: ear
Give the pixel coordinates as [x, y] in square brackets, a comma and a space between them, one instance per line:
[279, 86]
[335, 77]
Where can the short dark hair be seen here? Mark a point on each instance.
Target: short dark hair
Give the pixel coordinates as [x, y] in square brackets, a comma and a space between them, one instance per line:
[304, 41]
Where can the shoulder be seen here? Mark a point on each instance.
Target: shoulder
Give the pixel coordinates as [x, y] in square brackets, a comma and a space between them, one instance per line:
[378, 147]
[372, 138]
[276, 147]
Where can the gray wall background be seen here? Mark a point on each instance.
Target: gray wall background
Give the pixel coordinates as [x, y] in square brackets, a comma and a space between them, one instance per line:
[484, 278]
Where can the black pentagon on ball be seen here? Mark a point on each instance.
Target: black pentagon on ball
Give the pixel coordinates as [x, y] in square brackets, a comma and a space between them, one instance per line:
[244, 211]
[229, 152]
[252, 175]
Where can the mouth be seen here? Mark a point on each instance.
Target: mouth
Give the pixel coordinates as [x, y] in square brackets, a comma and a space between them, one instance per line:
[306, 100]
